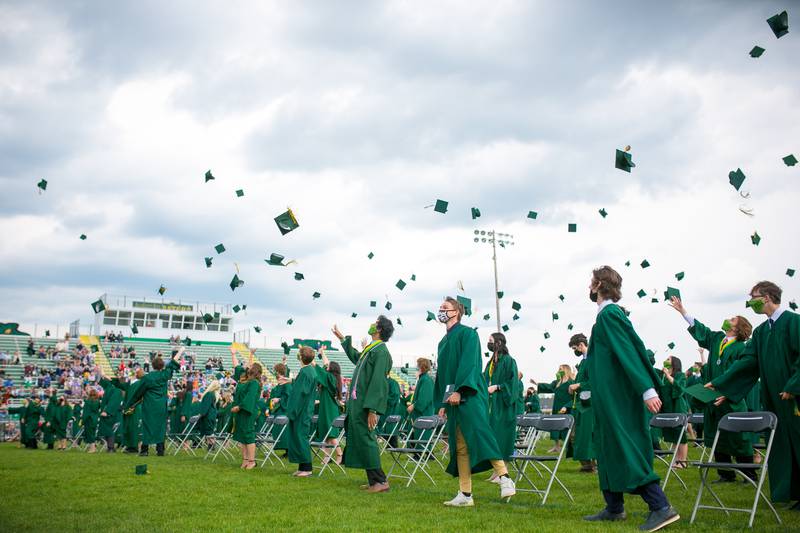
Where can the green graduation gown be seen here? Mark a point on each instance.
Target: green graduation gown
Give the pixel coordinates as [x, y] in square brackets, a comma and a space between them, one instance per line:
[279, 399]
[207, 422]
[328, 406]
[224, 418]
[561, 398]
[503, 403]
[111, 404]
[91, 417]
[394, 404]
[423, 402]
[369, 391]
[61, 418]
[532, 404]
[131, 414]
[773, 354]
[520, 397]
[620, 373]
[459, 365]
[262, 406]
[583, 446]
[300, 410]
[152, 393]
[673, 400]
[77, 416]
[48, 432]
[244, 421]
[29, 420]
[734, 444]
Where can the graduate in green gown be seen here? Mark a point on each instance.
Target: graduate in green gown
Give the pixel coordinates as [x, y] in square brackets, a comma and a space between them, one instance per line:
[694, 376]
[624, 389]
[48, 435]
[152, 394]
[394, 406]
[673, 400]
[583, 442]
[77, 416]
[520, 394]
[224, 415]
[262, 405]
[532, 402]
[279, 399]
[367, 399]
[131, 413]
[772, 354]
[29, 422]
[207, 423]
[725, 347]
[329, 377]
[462, 394]
[501, 377]
[300, 409]
[562, 400]
[110, 411]
[245, 412]
[91, 418]
[61, 418]
[421, 402]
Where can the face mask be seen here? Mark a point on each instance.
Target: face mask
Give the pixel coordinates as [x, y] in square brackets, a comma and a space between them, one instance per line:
[726, 325]
[372, 330]
[490, 347]
[442, 317]
[592, 296]
[756, 304]
[667, 364]
[578, 353]
[559, 375]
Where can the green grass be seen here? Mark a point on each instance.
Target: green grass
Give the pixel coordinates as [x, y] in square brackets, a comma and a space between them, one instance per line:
[72, 491]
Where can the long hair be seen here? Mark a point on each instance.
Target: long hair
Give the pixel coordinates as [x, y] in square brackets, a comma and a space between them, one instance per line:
[568, 374]
[743, 329]
[212, 387]
[500, 343]
[336, 370]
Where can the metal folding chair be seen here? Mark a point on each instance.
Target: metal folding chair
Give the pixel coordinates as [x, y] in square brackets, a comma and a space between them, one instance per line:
[267, 444]
[385, 436]
[76, 437]
[182, 438]
[669, 421]
[313, 430]
[527, 439]
[545, 423]
[739, 423]
[324, 451]
[696, 419]
[415, 455]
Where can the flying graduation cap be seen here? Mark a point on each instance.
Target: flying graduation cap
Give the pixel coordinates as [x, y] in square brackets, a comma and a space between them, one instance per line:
[286, 222]
[98, 306]
[755, 238]
[645, 263]
[790, 272]
[239, 193]
[516, 306]
[430, 316]
[532, 215]
[257, 328]
[42, 185]
[83, 236]
[476, 213]
[219, 248]
[572, 228]
[622, 161]
[736, 178]
[298, 276]
[275, 260]
[757, 51]
[670, 292]
[208, 261]
[400, 284]
[790, 160]
[236, 282]
[440, 206]
[680, 275]
[467, 303]
[779, 24]
[161, 290]
[603, 212]
[370, 255]
[209, 176]
[316, 295]
[642, 293]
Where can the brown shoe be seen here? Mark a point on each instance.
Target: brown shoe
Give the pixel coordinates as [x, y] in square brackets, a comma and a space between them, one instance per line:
[379, 487]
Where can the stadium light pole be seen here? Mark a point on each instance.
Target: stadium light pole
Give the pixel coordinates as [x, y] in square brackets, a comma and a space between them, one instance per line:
[494, 238]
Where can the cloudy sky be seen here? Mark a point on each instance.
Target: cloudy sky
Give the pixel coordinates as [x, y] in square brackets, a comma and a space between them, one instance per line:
[358, 115]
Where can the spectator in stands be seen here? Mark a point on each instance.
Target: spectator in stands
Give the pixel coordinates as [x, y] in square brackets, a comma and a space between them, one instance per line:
[41, 353]
[30, 350]
[4, 358]
[16, 360]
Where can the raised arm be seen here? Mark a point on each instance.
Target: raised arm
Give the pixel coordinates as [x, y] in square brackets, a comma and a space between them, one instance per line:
[234, 359]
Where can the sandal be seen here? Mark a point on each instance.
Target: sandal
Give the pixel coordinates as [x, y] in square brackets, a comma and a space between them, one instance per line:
[250, 465]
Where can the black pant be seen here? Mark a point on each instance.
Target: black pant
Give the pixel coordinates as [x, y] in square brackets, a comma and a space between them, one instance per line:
[720, 457]
[376, 476]
[304, 467]
[31, 443]
[110, 444]
[650, 493]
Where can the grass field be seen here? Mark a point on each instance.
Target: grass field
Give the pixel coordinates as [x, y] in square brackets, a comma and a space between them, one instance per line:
[72, 491]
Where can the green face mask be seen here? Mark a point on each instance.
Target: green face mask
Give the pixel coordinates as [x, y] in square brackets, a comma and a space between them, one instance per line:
[756, 304]
[726, 325]
[667, 364]
[559, 374]
[372, 330]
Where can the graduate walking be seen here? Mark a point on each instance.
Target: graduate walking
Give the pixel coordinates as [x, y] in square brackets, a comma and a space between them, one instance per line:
[773, 354]
[463, 396]
[91, 417]
[29, 422]
[562, 401]
[501, 377]
[624, 386]
[583, 443]
[300, 409]
[245, 412]
[110, 411]
[367, 399]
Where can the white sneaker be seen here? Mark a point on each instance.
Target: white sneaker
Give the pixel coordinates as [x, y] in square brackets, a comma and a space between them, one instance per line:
[507, 488]
[494, 479]
[460, 501]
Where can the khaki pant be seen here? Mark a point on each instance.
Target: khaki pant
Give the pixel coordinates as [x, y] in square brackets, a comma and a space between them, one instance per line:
[464, 470]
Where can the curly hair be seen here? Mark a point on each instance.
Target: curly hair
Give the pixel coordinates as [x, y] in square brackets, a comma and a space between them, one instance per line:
[385, 328]
[610, 283]
[577, 339]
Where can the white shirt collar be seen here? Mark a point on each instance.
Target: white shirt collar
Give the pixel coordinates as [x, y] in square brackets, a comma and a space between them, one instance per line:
[601, 306]
[777, 314]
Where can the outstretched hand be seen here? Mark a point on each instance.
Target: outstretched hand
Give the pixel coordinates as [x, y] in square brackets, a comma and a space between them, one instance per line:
[676, 304]
[336, 332]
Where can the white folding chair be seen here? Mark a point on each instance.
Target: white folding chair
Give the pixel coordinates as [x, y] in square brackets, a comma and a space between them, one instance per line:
[669, 421]
[740, 423]
[183, 438]
[267, 445]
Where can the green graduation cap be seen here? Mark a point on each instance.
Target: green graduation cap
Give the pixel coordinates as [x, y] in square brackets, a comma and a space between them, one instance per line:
[790, 272]
[244, 307]
[413, 277]
[603, 212]
[209, 176]
[275, 260]
[487, 316]
[298, 276]
[793, 305]
[532, 215]
[134, 329]
[430, 316]
[736, 178]
[641, 293]
[755, 238]
[95, 348]
[290, 321]
[467, 303]
[236, 282]
[208, 261]
[680, 275]
[219, 248]
[286, 222]
[399, 322]
[561, 297]
[790, 160]
[546, 335]
[141, 470]
[671, 346]
[316, 295]
[670, 292]
[373, 303]
[515, 317]
[388, 306]
[353, 315]
[83, 236]
[645, 263]
[400, 284]
[404, 370]
[653, 300]
[542, 349]
[516, 306]
[239, 193]
[286, 348]
[475, 213]
[757, 51]
[236, 308]
[555, 316]
[622, 161]
[257, 328]
[570, 326]
[440, 207]
[499, 294]
[627, 263]
[98, 306]
[207, 317]
[779, 24]
[505, 328]
[47, 333]
[42, 184]
[370, 255]
[161, 290]
[572, 228]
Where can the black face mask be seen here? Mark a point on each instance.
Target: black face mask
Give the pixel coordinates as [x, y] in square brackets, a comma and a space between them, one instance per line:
[592, 296]
[578, 353]
[490, 346]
